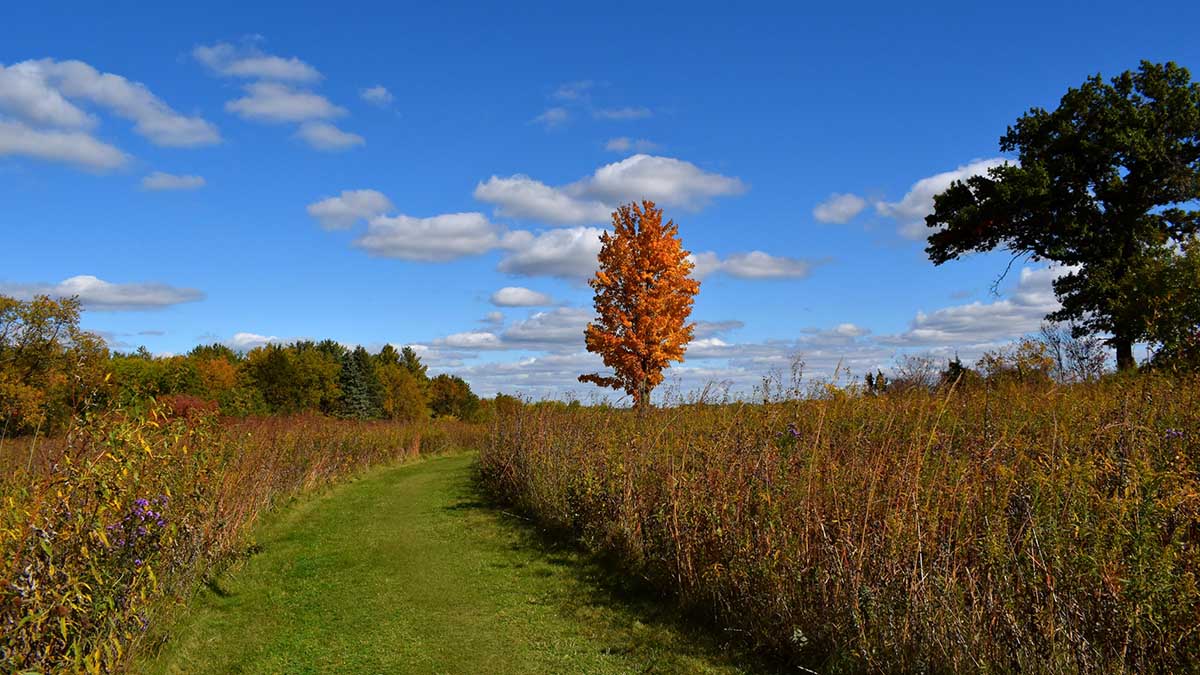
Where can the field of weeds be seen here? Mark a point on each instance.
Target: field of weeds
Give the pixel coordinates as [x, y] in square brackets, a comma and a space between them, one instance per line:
[101, 531]
[993, 528]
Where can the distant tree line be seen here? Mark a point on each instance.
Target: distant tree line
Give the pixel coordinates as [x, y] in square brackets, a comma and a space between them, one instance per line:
[50, 370]
[1053, 356]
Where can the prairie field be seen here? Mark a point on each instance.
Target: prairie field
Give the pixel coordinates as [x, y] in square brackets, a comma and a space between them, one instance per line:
[985, 529]
[103, 532]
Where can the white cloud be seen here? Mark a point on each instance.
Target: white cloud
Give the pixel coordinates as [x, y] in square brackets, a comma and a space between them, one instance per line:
[249, 62]
[436, 239]
[38, 91]
[839, 208]
[572, 91]
[709, 329]
[523, 197]
[553, 117]
[166, 181]
[72, 147]
[25, 93]
[752, 265]
[325, 136]
[626, 113]
[493, 318]
[566, 253]
[667, 181]
[911, 210]
[978, 322]
[544, 376]
[274, 102]
[625, 144]
[244, 342]
[152, 118]
[704, 264]
[97, 294]
[471, 340]
[377, 95]
[519, 296]
[550, 330]
[341, 212]
[759, 265]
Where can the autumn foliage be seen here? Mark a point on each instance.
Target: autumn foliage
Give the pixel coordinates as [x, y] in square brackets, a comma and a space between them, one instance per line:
[644, 295]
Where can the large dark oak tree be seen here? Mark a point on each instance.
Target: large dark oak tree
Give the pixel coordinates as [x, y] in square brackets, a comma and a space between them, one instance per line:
[1106, 184]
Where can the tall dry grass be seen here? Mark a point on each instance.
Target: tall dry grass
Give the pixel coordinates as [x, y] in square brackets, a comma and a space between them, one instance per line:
[1051, 529]
[102, 531]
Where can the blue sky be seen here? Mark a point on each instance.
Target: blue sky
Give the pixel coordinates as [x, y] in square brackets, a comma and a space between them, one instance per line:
[376, 174]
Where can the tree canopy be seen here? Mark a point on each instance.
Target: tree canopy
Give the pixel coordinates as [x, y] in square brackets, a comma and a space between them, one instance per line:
[1106, 186]
[643, 297]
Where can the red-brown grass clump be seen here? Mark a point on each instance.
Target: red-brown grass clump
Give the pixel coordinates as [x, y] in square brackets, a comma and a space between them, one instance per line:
[1015, 528]
[100, 531]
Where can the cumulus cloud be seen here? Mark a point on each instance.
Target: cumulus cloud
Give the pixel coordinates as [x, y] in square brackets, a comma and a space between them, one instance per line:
[377, 95]
[435, 239]
[911, 210]
[40, 96]
[557, 330]
[626, 113]
[249, 62]
[544, 376]
[980, 322]
[551, 330]
[553, 117]
[566, 253]
[152, 117]
[710, 329]
[279, 95]
[70, 147]
[752, 265]
[471, 340]
[523, 197]
[519, 296]
[625, 144]
[759, 265]
[100, 295]
[244, 342]
[665, 180]
[26, 93]
[275, 103]
[325, 136]
[341, 212]
[839, 208]
[166, 181]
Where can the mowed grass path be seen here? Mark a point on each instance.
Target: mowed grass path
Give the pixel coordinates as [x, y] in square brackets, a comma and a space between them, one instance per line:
[406, 571]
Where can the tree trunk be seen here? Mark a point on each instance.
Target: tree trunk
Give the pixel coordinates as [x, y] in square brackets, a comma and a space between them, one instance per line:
[641, 397]
[1124, 354]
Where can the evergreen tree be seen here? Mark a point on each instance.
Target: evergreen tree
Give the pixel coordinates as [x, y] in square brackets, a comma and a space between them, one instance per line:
[410, 360]
[387, 356]
[362, 393]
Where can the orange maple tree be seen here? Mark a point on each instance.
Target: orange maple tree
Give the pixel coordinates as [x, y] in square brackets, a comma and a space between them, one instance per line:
[644, 294]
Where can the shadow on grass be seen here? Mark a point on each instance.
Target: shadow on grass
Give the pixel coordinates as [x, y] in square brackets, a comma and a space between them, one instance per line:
[216, 588]
[640, 620]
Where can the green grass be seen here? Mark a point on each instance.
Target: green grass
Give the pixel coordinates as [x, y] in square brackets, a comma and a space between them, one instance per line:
[407, 571]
